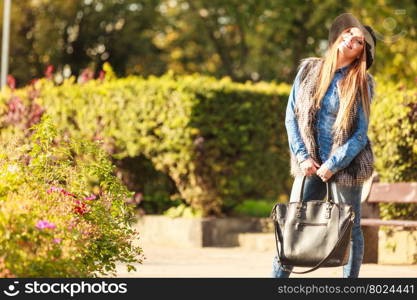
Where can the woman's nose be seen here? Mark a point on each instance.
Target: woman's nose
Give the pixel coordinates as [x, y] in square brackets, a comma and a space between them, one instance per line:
[348, 41]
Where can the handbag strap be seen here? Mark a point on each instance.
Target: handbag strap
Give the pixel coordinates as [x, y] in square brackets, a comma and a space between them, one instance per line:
[328, 194]
[324, 260]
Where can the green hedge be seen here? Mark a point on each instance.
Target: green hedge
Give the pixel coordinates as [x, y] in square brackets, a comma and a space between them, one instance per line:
[220, 142]
[393, 131]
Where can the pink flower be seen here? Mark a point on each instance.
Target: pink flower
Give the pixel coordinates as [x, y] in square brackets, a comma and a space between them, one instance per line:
[92, 197]
[81, 208]
[68, 194]
[16, 105]
[86, 75]
[43, 224]
[61, 190]
[101, 75]
[138, 197]
[54, 189]
[48, 72]
[57, 240]
[11, 82]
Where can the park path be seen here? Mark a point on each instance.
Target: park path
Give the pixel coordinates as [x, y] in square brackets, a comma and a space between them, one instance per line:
[168, 261]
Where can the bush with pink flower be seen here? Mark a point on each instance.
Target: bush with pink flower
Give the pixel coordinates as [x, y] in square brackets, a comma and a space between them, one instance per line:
[63, 213]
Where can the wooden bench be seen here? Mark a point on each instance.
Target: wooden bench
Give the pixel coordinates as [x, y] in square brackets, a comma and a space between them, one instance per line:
[373, 193]
[380, 192]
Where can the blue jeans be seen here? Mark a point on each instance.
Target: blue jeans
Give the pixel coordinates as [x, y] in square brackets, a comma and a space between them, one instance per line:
[315, 189]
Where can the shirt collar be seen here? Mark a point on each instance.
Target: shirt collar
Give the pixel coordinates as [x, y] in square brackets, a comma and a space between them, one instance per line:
[344, 69]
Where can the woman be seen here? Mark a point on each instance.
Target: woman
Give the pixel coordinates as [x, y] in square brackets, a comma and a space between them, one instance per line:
[327, 122]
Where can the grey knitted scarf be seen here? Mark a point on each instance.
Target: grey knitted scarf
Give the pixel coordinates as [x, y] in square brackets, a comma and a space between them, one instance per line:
[361, 167]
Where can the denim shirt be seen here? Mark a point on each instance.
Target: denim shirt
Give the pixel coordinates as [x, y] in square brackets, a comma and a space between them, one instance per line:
[326, 117]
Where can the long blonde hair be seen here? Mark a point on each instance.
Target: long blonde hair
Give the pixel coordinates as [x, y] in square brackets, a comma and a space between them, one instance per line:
[354, 81]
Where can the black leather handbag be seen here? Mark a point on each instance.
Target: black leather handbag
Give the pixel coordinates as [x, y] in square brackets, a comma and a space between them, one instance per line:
[314, 233]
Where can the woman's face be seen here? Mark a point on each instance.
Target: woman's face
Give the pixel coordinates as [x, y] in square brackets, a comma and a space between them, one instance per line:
[352, 44]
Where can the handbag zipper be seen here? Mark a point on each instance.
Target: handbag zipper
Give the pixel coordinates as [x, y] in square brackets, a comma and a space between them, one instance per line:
[312, 224]
[299, 225]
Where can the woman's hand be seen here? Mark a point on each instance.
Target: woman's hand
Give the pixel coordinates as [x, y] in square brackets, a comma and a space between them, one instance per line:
[324, 173]
[309, 166]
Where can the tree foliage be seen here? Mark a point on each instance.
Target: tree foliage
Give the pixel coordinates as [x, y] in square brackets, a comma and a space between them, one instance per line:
[245, 40]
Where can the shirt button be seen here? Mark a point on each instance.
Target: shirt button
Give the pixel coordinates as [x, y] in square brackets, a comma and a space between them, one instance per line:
[360, 137]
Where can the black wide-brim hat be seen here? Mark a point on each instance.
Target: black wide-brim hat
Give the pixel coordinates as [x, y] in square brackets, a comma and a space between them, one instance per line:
[347, 20]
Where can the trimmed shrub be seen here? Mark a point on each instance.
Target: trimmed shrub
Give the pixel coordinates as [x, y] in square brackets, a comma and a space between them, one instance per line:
[393, 131]
[219, 141]
[255, 208]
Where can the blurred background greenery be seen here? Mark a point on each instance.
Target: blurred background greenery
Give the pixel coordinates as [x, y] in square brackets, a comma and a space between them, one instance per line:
[245, 40]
